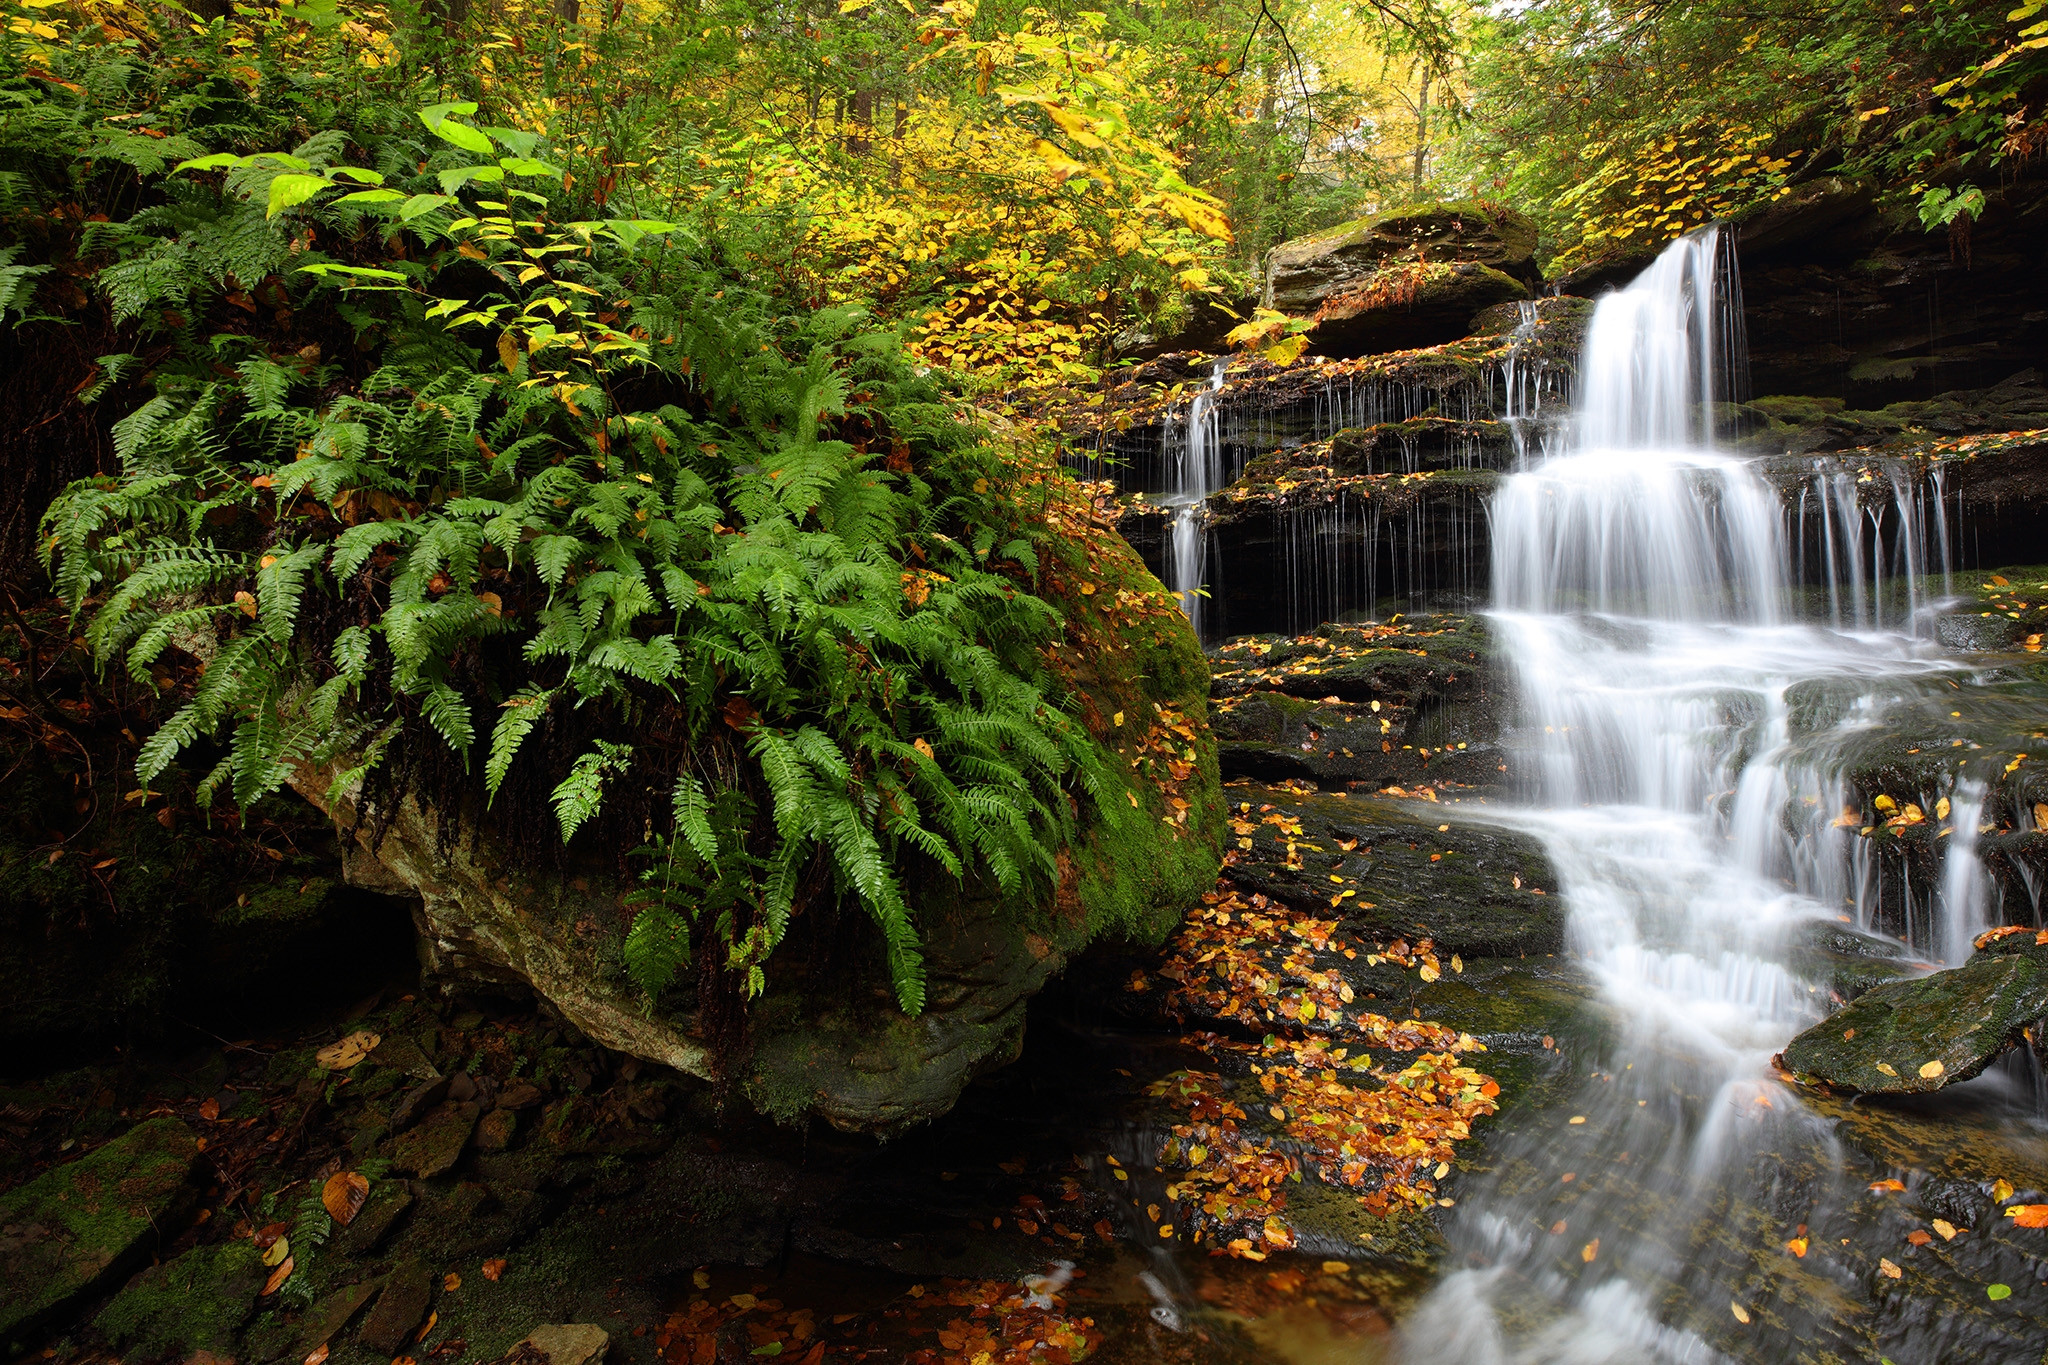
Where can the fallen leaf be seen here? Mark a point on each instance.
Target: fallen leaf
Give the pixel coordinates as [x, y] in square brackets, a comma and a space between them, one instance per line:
[279, 1275]
[280, 1250]
[1886, 1068]
[346, 1053]
[1918, 1237]
[2028, 1215]
[1995, 1292]
[452, 1282]
[343, 1195]
[1932, 1069]
[2001, 1191]
[1336, 1267]
[494, 1269]
[318, 1355]
[426, 1326]
[1797, 1246]
[209, 1109]
[1741, 1313]
[1887, 1186]
[1887, 1269]
[1946, 1229]
[1557, 1228]
[1576, 1119]
[1589, 1251]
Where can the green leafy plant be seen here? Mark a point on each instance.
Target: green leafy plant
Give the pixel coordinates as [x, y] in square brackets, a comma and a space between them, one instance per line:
[589, 480]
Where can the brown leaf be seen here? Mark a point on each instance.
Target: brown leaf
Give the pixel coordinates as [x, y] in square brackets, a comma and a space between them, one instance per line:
[318, 1355]
[278, 1276]
[494, 1269]
[209, 1109]
[346, 1053]
[1919, 1238]
[343, 1196]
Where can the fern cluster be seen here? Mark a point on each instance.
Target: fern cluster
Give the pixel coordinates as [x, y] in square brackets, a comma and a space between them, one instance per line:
[568, 467]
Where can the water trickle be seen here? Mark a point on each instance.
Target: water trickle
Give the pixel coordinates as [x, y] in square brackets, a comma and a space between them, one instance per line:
[1688, 735]
[1197, 472]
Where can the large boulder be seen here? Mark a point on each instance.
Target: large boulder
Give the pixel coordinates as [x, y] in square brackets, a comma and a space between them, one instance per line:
[827, 1036]
[1910, 1037]
[1406, 278]
[76, 1229]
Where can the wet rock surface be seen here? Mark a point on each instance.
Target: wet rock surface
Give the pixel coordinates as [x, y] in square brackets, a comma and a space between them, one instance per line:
[1912, 1037]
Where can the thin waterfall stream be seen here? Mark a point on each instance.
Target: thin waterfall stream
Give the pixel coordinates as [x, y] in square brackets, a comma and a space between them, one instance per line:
[1643, 594]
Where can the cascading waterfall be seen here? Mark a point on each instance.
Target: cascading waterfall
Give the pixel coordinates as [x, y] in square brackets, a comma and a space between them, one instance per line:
[1683, 786]
[1197, 473]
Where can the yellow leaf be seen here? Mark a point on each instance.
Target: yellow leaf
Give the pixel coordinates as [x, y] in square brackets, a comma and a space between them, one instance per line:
[2001, 1191]
[1931, 1070]
[1741, 1313]
[1286, 352]
[1206, 218]
[849, 6]
[1062, 166]
[1946, 1229]
[1887, 1269]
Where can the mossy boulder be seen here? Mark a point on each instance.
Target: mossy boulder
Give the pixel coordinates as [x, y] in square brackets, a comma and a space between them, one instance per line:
[1303, 273]
[191, 1303]
[827, 1036]
[78, 1228]
[1910, 1037]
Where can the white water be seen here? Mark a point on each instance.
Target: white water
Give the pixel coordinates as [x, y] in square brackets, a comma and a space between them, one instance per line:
[1197, 473]
[1642, 592]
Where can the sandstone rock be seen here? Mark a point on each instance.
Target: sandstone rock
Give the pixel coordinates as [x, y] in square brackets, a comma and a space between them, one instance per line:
[578, 1343]
[407, 1294]
[436, 1144]
[76, 1229]
[1910, 1037]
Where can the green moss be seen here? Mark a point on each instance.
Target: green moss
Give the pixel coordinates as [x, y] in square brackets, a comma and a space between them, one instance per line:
[197, 1302]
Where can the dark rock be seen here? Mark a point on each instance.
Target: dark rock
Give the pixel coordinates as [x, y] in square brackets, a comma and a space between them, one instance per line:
[1954, 1022]
[436, 1144]
[331, 1315]
[403, 1054]
[1472, 888]
[74, 1230]
[1403, 307]
[578, 1343]
[417, 1102]
[388, 1201]
[1803, 217]
[461, 1087]
[407, 1294]
[520, 1094]
[194, 1302]
[494, 1133]
[1976, 633]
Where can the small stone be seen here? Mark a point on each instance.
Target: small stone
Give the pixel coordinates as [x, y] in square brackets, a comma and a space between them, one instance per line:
[417, 1102]
[436, 1145]
[520, 1095]
[332, 1313]
[496, 1131]
[402, 1054]
[407, 1294]
[576, 1343]
[388, 1201]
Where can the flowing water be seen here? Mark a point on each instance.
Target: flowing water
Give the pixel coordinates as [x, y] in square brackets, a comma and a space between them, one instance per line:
[1644, 596]
[1197, 472]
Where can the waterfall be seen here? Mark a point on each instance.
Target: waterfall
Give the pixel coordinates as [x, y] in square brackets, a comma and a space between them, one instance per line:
[1197, 472]
[1685, 782]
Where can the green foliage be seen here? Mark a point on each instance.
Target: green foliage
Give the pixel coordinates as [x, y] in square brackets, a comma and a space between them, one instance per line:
[575, 473]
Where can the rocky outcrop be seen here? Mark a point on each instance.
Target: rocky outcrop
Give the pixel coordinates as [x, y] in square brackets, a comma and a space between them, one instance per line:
[827, 1037]
[77, 1229]
[1405, 278]
[1909, 1037]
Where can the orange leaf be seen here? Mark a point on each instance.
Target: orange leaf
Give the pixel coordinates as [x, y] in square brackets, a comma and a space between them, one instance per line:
[209, 1109]
[2028, 1215]
[494, 1269]
[1919, 1238]
[1589, 1251]
[343, 1196]
[278, 1276]
[318, 1355]
[1797, 1246]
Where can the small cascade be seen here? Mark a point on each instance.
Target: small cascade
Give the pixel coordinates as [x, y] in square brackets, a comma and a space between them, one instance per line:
[1688, 734]
[1197, 472]
[1875, 538]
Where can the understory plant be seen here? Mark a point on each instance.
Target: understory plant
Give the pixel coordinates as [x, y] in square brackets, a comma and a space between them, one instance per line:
[428, 460]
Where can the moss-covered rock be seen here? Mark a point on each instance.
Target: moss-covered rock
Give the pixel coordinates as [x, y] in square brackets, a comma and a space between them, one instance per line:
[195, 1302]
[827, 1037]
[1910, 1037]
[1301, 274]
[77, 1228]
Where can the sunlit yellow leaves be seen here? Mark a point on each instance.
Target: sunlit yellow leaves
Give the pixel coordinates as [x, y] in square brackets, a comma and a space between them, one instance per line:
[1205, 215]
